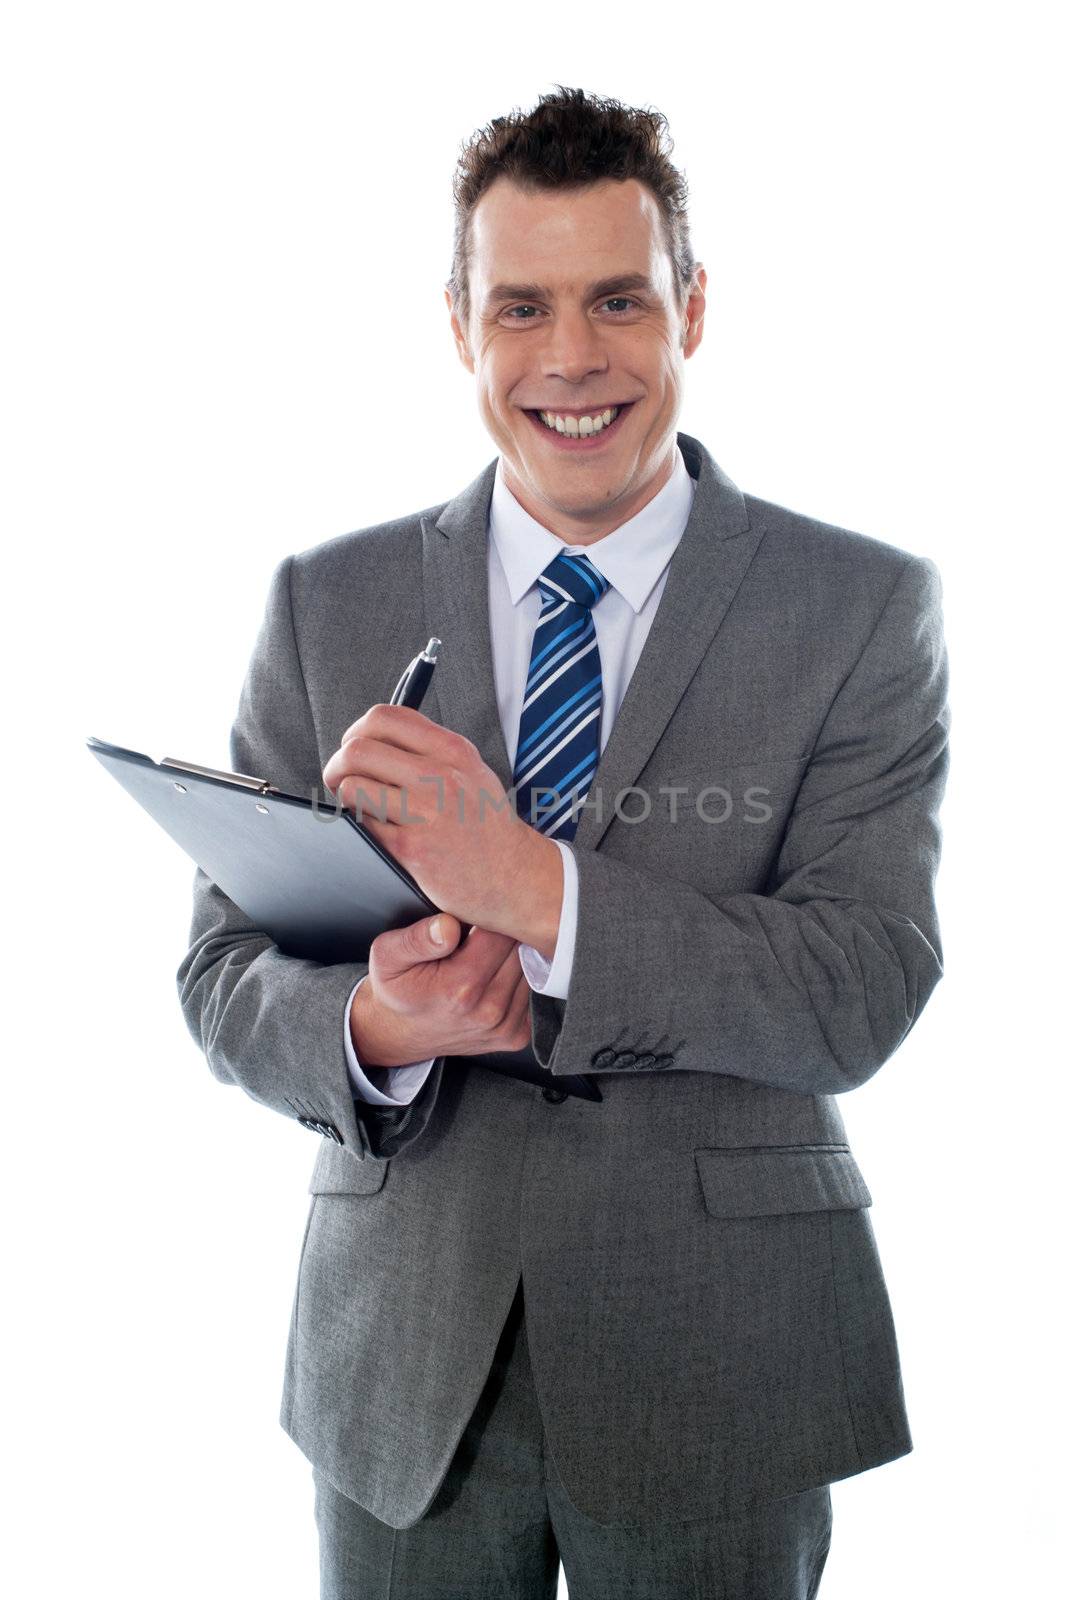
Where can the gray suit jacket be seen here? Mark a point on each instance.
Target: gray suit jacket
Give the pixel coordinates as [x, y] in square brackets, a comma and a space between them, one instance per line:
[706, 1312]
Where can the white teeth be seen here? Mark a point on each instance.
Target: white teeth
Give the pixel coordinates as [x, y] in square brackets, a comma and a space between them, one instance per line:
[580, 427]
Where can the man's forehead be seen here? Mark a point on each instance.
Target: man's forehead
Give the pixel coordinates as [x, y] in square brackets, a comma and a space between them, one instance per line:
[603, 205]
[602, 237]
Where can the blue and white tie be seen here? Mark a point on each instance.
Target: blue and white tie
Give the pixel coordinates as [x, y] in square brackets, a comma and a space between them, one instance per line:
[560, 725]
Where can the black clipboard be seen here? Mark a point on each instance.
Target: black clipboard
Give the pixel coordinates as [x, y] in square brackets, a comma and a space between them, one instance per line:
[306, 873]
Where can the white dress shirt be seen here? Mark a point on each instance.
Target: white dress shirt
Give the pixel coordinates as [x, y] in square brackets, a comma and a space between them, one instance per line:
[634, 558]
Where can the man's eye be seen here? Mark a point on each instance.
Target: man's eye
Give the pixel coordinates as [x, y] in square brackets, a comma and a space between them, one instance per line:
[620, 303]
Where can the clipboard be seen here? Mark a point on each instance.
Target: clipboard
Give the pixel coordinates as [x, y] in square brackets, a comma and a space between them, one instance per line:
[306, 873]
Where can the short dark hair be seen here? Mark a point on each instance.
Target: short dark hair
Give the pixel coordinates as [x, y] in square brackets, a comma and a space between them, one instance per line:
[569, 140]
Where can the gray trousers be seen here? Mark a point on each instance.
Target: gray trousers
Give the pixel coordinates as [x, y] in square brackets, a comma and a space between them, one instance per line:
[501, 1524]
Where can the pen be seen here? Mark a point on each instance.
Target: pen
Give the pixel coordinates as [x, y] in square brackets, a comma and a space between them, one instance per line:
[411, 688]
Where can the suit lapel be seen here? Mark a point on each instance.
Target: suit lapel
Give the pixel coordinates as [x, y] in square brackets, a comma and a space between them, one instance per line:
[706, 570]
[456, 579]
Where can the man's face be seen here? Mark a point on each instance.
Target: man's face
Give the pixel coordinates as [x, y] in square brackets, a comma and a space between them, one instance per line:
[573, 312]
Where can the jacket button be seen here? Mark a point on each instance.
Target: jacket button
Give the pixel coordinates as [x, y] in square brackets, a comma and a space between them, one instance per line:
[554, 1096]
[603, 1058]
[625, 1058]
[646, 1060]
[664, 1060]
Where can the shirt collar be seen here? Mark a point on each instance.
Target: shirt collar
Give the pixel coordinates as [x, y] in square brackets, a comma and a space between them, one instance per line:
[632, 557]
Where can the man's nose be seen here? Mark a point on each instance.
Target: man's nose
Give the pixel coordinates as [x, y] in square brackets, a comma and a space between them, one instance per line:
[574, 348]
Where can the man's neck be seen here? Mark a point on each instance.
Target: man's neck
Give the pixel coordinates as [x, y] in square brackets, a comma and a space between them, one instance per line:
[585, 529]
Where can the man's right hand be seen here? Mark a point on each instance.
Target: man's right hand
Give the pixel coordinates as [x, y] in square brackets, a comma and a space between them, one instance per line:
[458, 998]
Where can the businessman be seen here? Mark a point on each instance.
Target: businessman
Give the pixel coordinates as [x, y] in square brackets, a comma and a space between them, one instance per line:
[675, 790]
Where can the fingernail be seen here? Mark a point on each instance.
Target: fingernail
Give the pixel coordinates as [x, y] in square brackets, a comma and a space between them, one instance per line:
[436, 931]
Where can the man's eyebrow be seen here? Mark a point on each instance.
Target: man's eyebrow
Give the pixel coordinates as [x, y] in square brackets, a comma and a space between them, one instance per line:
[501, 293]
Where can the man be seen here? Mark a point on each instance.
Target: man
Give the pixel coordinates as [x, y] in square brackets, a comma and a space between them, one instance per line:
[641, 1334]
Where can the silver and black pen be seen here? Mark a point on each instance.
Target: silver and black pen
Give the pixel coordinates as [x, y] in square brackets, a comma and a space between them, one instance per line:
[411, 688]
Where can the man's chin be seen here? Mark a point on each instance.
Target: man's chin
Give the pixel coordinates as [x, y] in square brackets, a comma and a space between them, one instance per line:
[579, 501]
[572, 475]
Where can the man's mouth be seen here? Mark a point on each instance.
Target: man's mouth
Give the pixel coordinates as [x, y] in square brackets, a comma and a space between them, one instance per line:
[575, 430]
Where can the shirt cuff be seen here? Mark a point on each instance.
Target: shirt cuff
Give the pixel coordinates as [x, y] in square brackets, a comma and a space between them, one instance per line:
[406, 1081]
[554, 977]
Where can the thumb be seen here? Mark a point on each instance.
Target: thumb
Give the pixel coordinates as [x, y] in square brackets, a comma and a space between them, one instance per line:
[397, 949]
[440, 932]
[408, 947]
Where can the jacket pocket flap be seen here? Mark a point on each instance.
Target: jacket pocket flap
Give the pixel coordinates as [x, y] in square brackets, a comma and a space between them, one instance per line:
[337, 1171]
[778, 1180]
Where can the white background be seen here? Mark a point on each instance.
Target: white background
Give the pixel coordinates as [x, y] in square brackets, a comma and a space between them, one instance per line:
[224, 340]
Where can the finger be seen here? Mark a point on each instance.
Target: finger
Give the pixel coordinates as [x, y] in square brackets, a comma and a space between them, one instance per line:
[484, 953]
[502, 986]
[518, 1013]
[404, 726]
[369, 758]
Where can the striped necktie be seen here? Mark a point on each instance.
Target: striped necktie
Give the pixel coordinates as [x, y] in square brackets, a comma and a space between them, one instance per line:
[560, 726]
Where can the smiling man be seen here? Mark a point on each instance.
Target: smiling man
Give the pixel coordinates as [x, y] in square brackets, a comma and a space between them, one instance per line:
[576, 326]
[588, 1272]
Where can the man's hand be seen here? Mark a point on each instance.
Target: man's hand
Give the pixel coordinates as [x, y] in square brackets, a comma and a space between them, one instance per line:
[425, 999]
[444, 815]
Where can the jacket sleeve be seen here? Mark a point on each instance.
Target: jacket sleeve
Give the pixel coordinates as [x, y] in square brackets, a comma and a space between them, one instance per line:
[813, 984]
[266, 1021]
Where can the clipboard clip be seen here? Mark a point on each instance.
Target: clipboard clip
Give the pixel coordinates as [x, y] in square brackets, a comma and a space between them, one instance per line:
[258, 785]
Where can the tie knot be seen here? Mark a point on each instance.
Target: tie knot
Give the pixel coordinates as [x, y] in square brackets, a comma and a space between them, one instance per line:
[571, 577]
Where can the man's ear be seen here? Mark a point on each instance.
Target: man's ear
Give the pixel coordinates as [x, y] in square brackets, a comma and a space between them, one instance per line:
[694, 311]
[461, 346]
